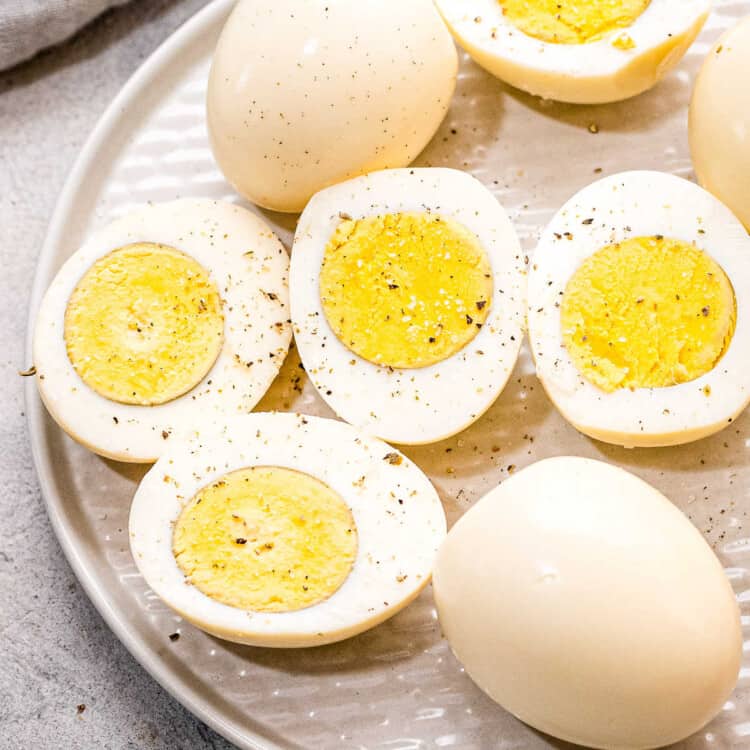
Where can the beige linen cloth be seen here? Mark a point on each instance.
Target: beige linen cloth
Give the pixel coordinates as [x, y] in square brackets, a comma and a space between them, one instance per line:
[26, 26]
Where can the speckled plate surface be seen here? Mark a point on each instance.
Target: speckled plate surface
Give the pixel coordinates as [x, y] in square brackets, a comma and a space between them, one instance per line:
[398, 686]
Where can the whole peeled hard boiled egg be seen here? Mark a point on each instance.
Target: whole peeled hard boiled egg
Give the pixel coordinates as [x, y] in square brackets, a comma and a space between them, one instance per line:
[408, 302]
[719, 124]
[580, 599]
[302, 95]
[171, 316]
[639, 311]
[585, 52]
[285, 530]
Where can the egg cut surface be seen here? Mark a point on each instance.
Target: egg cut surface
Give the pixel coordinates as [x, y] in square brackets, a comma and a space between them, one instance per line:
[719, 123]
[638, 311]
[305, 95]
[580, 599]
[408, 301]
[587, 52]
[285, 530]
[167, 317]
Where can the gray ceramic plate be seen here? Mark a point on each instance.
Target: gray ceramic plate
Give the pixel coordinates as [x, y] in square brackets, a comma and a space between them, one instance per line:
[398, 686]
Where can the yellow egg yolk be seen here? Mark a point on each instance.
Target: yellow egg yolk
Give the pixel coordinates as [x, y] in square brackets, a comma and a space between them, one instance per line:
[576, 22]
[266, 539]
[405, 290]
[144, 325]
[649, 312]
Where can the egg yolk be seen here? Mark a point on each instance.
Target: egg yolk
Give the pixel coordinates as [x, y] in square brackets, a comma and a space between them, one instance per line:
[144, 325]
[266, 539]
[572, 22]
[649, 312]
[405, 290]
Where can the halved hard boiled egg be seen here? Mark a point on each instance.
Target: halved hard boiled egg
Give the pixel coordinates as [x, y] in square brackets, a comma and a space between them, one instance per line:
[639, 314]
[408, 301]
[285, 530]
[167, 317]
[586, 52]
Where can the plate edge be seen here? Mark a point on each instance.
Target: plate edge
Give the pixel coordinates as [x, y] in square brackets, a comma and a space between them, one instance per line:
[168, 49]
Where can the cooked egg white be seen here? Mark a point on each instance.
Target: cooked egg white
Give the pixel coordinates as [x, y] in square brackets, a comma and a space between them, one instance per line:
[719, 124]
[304, 95]
[586, 52]
[167, 317]
[638, 311]
[408, 301]
[285, 530]
[580, 599]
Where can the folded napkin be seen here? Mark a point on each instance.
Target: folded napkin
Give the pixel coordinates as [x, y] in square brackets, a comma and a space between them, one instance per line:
[26, 26]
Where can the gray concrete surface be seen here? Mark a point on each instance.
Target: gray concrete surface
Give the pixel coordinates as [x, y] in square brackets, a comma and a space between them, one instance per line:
[65, 681]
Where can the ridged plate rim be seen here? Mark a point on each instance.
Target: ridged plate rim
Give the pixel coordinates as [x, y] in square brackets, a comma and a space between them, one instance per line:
[209, 17]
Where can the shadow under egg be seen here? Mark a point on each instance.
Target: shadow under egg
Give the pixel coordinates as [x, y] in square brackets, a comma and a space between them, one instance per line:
[398, 639]
[471, 124]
